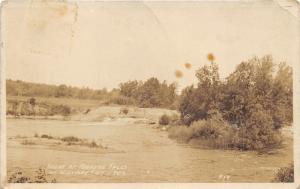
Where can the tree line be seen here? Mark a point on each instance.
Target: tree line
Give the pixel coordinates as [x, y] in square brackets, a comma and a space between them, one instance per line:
[151, 93]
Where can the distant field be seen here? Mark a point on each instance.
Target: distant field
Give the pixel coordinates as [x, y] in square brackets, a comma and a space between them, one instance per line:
[74, 103]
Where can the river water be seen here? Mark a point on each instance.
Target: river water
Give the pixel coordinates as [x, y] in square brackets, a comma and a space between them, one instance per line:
[141, 154]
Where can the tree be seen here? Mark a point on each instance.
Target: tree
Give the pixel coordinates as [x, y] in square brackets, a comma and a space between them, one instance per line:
[148, 93]
[196, 103]
[129, 88]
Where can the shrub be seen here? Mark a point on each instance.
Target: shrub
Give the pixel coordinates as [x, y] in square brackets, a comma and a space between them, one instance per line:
[180, 133]
[285, 174]
[32, 101]
[213, 132]
[164, 120]
[258, 132]
[47, 136]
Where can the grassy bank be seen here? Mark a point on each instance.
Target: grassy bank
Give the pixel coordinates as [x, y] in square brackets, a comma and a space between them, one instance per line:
[18, 106]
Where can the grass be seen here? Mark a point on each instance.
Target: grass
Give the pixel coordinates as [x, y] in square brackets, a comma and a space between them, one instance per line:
[73, 140]
[74, 103]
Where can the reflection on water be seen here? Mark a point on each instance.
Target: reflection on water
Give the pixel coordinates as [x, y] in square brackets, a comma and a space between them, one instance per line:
[145, 155]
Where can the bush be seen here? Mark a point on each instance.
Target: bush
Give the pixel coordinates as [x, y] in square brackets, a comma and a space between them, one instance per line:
[173, 120]
[46, 136]
[285, 174]
[213, 132]
[32, 101]
[164, 120]
[258, 132]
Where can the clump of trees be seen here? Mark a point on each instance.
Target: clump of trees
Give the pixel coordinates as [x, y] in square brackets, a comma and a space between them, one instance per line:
[256, 99]
[151, 93]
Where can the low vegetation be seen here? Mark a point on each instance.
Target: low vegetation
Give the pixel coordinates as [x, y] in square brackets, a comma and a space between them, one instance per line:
[169, 120]
[32, 107]
[218, 133]
[285, 174]
[71, 139]
[46, 136]
[68, 140]
[39, 176]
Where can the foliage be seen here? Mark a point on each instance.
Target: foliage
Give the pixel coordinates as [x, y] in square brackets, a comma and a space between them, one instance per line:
[32, 101]
[71, 139]
[46, 136]
[285, 174]
[214, 132]
[253, 82]
[25, 107]
[258, 133]
[256, 100]
[129, 89]
[151, 93]
[22, 88]
[195, 103]
[164, 120]
[39, 176]
[169, 120]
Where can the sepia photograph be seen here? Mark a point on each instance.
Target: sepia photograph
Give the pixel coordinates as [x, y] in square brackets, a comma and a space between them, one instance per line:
[149, 92]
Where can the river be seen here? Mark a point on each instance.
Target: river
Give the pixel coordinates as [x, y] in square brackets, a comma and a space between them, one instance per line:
[142, 154]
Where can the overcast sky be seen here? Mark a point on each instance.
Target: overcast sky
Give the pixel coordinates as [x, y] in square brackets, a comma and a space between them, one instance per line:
[102, 44]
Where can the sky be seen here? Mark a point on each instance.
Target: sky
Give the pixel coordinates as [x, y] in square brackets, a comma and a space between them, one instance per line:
[100, 44]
